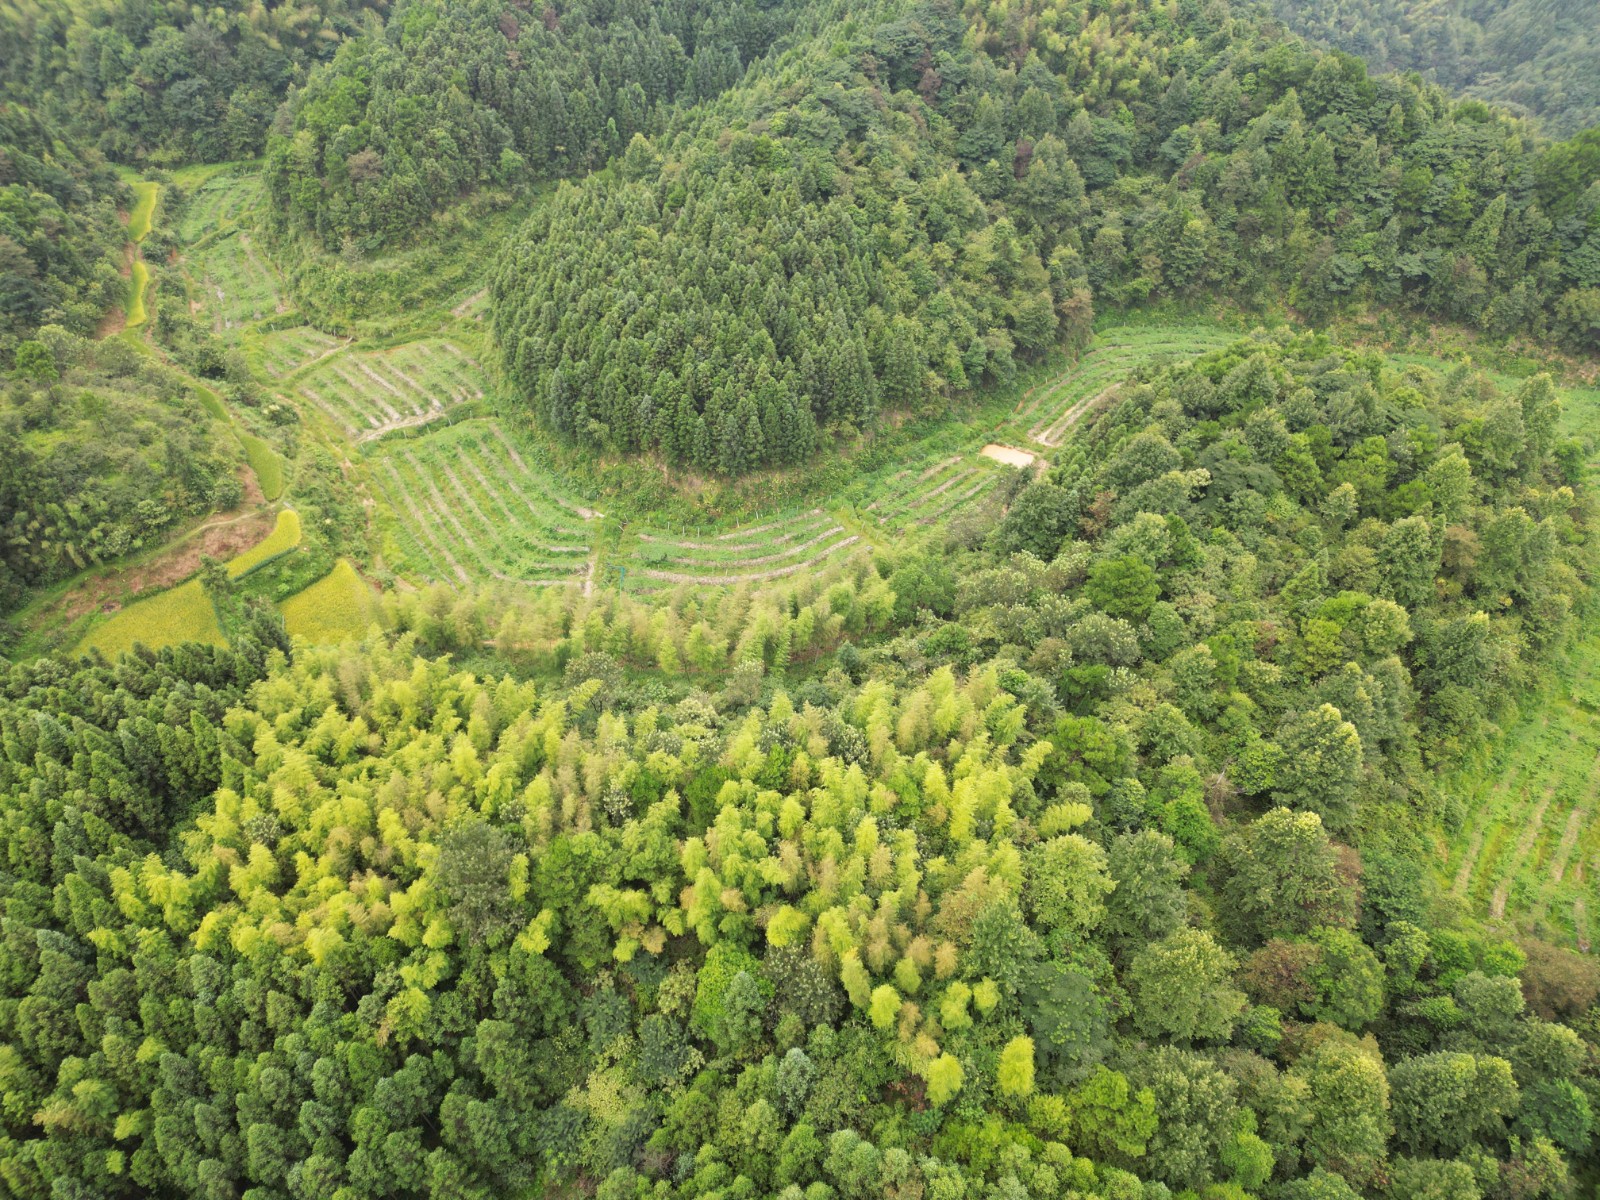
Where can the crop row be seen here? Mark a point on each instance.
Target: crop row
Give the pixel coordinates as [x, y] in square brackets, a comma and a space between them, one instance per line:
[374, 393]
[1056, 407]
[1529, 850]
[922, 498]
[223, 201]
[287, 350]
[770, 549]
[237, 284]
[470, 511]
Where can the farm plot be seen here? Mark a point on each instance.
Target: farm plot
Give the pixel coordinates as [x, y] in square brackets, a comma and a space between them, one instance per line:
[237, 285]
[287, 350]
[922, 498]
[221, 202]
[769, 550]
[376, 392]
[1051, 411]
[468, 509]
[180, 614]
[337, 608]
[1529, 851]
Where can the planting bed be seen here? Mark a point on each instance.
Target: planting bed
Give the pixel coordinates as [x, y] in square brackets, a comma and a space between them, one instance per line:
[371, 393]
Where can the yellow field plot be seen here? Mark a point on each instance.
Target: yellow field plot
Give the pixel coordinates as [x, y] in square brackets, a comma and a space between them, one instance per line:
[180, 614]
[336, 608]
[285, 536]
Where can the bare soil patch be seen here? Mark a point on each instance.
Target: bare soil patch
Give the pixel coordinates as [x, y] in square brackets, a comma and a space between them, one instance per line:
[1010, 455]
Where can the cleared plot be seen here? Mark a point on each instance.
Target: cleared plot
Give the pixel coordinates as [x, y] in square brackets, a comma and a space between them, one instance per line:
[138, 284]
[237, 285]
[936, 492]
[285, 536]
[287, 350]
[1055, 408]
[376, 392]
[1527, 848]
[766, 550]
[180, 614]
[336, 608]
[221, 202]
[468, 511]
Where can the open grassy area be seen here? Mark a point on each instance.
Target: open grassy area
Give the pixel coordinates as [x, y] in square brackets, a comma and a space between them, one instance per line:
[286, 351]
[222, 201]
[180, 614]
[285, 536]
[337, 608]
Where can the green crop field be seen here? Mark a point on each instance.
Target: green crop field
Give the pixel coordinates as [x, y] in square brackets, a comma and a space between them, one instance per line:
[285, 536]
[266, 463]
[337, 608]
[222, 201]
[180, 614]
[288, 350]
[371, 393]
[140, 219]
[468, 506]
[1047, 415]
[236, 284]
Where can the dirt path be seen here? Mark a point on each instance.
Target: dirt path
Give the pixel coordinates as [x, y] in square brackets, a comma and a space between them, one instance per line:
[1468, 861]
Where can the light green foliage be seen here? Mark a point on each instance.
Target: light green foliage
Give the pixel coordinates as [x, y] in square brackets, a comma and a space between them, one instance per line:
[1067, 884]
[1014, 1075]
[266, 463]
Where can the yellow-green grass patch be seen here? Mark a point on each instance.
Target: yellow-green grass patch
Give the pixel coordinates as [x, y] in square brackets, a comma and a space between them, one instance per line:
[336, 608]
[139, 221]
[139, 281]
[266, 463]
[211, 402]
[285, 536]
[180, 614]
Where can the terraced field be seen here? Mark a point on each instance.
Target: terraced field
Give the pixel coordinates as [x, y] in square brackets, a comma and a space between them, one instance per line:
[1529, 851]
[372, 393]
[236, 285]
[1046, 416]
[221, 202]
[288, 350]
[754, 553]
[469, 507]
[925, 497]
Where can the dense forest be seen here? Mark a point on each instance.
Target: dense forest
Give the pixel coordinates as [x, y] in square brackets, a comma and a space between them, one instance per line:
[1083, 859]
[60, 239]
[154, 81]
[1070, 830]
[903, 214]
[1539, 56]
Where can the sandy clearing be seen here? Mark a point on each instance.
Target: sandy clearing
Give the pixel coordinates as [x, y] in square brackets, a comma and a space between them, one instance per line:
[1009, 455]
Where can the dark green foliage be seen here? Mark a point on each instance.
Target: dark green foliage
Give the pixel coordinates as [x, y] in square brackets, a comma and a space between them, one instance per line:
[1540, 57]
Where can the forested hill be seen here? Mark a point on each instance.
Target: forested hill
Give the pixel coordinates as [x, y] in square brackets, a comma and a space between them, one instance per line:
[1091, 863]
[163, 82]
[1539, 56]
[452, 97]
[59, 232]
[908, 204]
